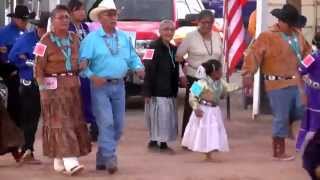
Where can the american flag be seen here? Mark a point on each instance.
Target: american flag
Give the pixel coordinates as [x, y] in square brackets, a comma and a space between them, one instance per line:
[234, 33]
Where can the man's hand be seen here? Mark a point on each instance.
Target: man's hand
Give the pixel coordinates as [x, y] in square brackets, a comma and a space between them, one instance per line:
[140, 73]
[3, 49]
[83, 65]
[147, 100]
[183, 81]
[23, 57]
[198, 112]
[98, 81]
[247, 81]
[303, 98]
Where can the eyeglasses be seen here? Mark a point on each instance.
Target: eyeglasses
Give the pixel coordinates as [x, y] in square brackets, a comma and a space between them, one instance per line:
[206, 22]
[63, 17]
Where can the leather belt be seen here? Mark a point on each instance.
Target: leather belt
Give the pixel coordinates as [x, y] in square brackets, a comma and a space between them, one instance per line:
[275, 78]
[114, 81]
[313, 84]
[62, 74]
[207, 103]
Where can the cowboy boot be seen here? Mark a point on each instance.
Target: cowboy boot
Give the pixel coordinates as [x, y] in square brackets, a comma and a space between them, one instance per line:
[317, 172]
[17, 155]
[279, 150]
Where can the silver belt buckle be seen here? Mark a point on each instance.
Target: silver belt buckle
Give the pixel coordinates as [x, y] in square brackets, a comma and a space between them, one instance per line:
[316, 85]
[26, 82]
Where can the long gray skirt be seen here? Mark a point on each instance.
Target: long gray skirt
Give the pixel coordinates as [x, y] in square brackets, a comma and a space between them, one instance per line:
[162, 119]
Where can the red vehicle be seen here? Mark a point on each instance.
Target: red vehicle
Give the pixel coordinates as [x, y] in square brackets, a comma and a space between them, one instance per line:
[142, 18]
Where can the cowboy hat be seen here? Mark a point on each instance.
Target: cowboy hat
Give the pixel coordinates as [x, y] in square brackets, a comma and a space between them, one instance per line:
[288, 14]
[21, 12]
[302, 21]
[42, 21]
[103, 6]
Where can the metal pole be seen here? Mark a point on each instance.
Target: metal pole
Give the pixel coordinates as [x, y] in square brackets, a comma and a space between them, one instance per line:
[226, 52]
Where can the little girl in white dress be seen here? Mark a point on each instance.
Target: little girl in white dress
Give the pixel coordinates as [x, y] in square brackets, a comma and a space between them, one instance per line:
[205, 131]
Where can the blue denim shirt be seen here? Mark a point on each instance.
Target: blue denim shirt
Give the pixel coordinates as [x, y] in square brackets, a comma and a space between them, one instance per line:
[24, 46]
[102, 62]
[8, 36]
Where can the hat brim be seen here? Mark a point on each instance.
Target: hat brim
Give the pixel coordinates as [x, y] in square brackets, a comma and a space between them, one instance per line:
[302, 21]
[94, 13]
[29, 16]
[37, 22]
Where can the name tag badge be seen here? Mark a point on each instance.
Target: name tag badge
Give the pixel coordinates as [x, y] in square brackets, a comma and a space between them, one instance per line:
[148, 55]
[51, 83]
[39, 49]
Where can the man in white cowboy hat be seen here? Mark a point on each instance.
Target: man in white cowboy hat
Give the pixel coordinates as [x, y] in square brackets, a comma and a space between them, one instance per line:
[8, 72]
[109, 54]
[278, 52]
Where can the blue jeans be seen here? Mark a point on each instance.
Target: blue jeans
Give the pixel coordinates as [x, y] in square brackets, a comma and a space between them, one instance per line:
[286, 105]
[108, 105]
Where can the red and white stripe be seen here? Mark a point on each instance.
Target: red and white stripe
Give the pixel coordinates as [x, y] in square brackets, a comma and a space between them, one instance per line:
[234, 33]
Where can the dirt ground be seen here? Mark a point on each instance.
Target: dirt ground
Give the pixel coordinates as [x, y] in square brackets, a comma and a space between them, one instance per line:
[249, 158]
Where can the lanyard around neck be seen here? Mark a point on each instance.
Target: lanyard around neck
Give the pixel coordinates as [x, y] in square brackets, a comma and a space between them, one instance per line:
[65, 47]
[80, 31]
[172, 56]
[294, 44]
[112, 50]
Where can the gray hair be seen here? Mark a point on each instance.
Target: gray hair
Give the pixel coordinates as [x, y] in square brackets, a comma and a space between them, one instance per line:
[165, 22]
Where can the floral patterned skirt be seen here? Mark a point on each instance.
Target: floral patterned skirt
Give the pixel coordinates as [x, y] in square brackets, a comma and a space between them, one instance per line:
[65, 132]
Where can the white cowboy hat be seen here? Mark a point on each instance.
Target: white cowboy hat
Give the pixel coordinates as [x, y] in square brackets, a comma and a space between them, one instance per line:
[103, 6]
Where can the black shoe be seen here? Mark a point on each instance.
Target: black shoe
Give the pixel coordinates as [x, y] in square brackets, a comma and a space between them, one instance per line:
[153, 144]
[101, 167]
[112, 170]
[163, 146]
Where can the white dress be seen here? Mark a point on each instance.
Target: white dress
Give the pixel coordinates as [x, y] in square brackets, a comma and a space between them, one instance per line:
[207, 134]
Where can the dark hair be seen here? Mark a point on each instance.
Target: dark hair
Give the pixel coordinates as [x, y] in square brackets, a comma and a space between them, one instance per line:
[59, 8]
[74, 5]
[211, 66]
[316, 40]
[205, 13]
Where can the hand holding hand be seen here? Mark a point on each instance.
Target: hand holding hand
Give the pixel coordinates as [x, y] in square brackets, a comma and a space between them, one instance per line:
[198, 112]
[98, 81]
[140, 73]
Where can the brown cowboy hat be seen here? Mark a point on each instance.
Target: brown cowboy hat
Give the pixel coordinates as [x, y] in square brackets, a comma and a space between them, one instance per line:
[22, 12]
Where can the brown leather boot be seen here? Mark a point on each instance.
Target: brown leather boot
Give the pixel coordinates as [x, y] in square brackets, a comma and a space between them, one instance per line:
[279, 150]
[318, 172]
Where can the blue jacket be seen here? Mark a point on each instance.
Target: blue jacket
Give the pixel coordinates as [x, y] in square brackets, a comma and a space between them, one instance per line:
[8, 36]
[24, 46]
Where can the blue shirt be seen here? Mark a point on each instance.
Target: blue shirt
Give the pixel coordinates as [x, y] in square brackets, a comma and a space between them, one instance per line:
[102, 62]
[24, 46]
[8, 36]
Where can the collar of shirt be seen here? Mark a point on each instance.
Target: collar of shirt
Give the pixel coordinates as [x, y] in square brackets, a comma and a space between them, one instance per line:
[102, 33]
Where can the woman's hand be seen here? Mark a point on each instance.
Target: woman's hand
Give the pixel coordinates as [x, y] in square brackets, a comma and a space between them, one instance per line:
[198, 112]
